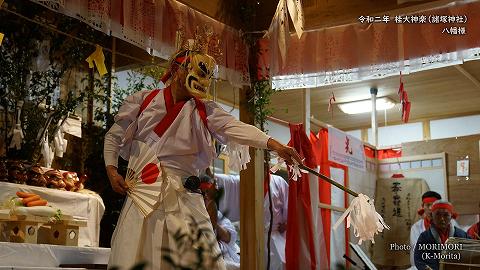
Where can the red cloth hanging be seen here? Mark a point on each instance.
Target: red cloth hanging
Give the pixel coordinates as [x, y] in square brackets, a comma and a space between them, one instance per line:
[389, 153]
[369, 152]
[316, 146]
[320, 148]
[300, 247]
[404, 101]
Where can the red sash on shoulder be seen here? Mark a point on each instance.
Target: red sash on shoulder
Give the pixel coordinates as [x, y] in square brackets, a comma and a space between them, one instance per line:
[172, 110]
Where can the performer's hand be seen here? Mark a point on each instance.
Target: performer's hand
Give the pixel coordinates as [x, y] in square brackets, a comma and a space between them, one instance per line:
[282, 227]
[286, 152]
[116, 180]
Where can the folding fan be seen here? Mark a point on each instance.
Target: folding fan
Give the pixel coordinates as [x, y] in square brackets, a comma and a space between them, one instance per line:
[144, 177]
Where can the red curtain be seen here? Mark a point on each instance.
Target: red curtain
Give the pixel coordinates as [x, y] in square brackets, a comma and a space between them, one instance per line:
[300, 247]
[389, 153]
[369, 152]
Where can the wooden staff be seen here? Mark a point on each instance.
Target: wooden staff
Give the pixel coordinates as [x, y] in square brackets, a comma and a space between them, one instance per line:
[342, 187]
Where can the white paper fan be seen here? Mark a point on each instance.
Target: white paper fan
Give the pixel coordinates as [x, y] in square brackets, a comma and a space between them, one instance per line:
[144, 177]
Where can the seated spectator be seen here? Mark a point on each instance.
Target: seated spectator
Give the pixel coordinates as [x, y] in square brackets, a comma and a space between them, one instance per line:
[222, 226]
[427, 247]
[428, 198]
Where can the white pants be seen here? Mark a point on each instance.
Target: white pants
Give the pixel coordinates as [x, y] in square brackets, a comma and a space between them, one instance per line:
[139, 239]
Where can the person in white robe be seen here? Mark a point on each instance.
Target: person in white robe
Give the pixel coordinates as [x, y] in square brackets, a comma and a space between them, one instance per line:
[178, 125]
[230, 204]
[279, 190]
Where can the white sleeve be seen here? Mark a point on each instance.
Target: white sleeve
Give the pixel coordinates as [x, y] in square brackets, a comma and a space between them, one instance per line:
[414, 234]
[126, 114]
[284, 187]
[225, 127]
[226, 224]
[111, 146]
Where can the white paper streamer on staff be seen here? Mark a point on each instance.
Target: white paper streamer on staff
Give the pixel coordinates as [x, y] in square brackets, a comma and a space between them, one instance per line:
[294, 169]
[362, 216]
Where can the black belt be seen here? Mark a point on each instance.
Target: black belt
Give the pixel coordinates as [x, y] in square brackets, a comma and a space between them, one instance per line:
[192, 184]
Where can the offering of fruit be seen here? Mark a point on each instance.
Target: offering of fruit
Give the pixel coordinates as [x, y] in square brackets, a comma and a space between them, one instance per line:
[55, 179]
[71, 180]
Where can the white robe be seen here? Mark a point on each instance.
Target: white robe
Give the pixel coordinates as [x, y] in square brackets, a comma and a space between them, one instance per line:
[229, 250]
[415, 231]
[184, 149]
[230, 204]
[279, 191]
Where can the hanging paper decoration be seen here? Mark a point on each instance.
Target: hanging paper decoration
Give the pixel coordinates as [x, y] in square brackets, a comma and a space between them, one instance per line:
[17, 137]
[405, 103]
[47, 152]
[59, 141]
[296, 13]
[17, 133]
[330, 103]
[42, 63]
[263, 59]
[99, 59]
[279, 26]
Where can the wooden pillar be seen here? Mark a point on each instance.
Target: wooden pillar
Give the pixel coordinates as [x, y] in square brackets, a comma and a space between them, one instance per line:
[426, 130]
[91, 87]
[364, 134]
[306, 114]
[373, 92]
[251, 201]
[110, 83]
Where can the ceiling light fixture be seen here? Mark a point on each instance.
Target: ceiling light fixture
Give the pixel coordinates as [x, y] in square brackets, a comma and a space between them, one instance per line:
[363, 106]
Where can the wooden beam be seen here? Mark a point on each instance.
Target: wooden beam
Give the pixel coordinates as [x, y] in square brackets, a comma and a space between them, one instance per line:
[318, 123]
[364, 134]
[417, 120]
[469, 76]
[251, 201]
[325, 13]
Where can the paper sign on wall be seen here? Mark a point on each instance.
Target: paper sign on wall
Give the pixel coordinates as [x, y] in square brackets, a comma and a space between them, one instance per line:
[345, 149]
[463, 167]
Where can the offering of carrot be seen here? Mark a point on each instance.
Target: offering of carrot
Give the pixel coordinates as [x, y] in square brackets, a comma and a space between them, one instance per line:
[30, 199]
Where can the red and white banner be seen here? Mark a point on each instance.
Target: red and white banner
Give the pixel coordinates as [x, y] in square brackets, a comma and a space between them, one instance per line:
[346, 149]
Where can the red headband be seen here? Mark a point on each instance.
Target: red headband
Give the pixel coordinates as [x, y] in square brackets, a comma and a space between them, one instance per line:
[168, 74]
[205, 186]
[446, 206]
[429, 199]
